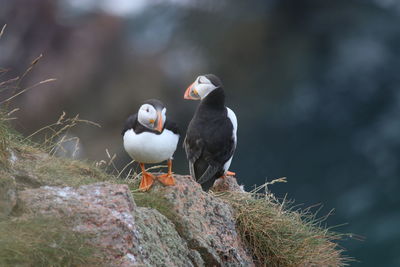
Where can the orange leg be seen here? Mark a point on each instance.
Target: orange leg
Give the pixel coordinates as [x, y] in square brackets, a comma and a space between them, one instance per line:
[147, 179]
[167, 179]
[228, 173]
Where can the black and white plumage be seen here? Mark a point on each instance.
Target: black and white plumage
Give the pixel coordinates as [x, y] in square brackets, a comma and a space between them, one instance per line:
[149, 137]
[211, 136]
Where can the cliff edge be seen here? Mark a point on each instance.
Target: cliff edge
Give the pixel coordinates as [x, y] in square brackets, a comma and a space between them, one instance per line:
[62, 212]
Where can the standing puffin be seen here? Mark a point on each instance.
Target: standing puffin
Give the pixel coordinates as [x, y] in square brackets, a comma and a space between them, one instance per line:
[211, 135]
[149, 137]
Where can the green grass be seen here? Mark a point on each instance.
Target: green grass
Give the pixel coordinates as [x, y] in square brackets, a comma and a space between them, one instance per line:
[43, 242]
[11, 140]
[68, 172]
[157, 201]
[5, 137]
[279, 236]
[33, 161]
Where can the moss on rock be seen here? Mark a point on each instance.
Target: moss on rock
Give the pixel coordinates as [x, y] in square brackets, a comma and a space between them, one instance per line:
[42, 241]
[161, 242]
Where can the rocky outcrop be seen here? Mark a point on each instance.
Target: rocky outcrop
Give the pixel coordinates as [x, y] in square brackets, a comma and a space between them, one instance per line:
[206, 222]
[60, 212]
[128, 235]
[201, 232]
[161, 244]
[102, 210]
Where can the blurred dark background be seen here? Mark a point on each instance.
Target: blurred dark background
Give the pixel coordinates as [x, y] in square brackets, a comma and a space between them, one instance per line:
[315, 86]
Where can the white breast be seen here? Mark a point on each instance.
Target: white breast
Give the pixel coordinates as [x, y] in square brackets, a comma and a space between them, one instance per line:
[232, 117]
[148, 147]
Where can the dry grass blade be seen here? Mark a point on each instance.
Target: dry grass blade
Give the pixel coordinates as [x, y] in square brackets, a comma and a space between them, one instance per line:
[7, 116]
[111, 159]
[12, 111]
[110, 163]
[279, 235]
[33, 63]
[10, 81]
[59, 146]
[26, 89]
[155, 168]
[55, 134]
[2, 30]
[124, 168]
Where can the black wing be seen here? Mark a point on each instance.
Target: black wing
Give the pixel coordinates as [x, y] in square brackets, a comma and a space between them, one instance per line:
[208, 148]
[172, 126]
[129, 123]
[194, 146]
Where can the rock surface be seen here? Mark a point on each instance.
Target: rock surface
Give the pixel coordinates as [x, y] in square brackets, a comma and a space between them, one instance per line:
[104, 210]
[206, 222]
[202, 232]
[129, 235]
[228, 184]
[161, 243]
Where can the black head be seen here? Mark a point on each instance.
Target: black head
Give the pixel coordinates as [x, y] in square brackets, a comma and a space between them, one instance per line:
[202, 86]
[214, 79]
[151, 114]
[157, 104]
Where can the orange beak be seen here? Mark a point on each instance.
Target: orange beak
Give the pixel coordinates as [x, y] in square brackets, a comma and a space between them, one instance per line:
[159, 122]
[187, 93]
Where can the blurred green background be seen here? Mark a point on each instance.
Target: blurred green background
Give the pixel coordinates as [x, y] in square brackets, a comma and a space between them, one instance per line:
[315, 86]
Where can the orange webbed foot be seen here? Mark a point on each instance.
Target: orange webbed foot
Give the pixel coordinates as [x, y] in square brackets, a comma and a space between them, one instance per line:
[228, 173]
[146, 182]
[167, 179]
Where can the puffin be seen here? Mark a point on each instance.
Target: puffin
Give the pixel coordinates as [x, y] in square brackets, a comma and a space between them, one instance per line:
[149, 137]
[211, 136]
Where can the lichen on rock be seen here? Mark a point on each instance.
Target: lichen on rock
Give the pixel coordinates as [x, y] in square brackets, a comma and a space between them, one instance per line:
[161, 243]
[102, 211]
[202, 232]
[205, 222]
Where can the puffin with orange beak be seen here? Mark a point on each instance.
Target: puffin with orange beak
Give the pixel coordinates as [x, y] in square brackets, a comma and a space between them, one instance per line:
[210, 140]
[149, 137]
